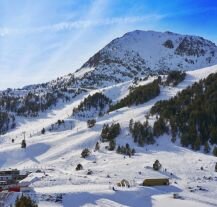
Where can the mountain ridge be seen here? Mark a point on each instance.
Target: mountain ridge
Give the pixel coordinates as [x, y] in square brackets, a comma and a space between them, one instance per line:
[140, 53]
[131, 63]
[123, 59]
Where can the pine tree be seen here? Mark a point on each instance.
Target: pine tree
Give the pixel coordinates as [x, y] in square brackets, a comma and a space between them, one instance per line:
[105, 132]
[128, 150]
[206, 147]
[157, 166]
[133, 151]
[215, 151]
[173, 139]
[197, 144]
[173, 126]
[43, 131]
[23, 143]
[85, 153]
[127, 146]
[97, 146]
[159, 127]
[175, 77]
[131, 125]
[118, 149]
[184, 139]
[91, 123]
[79, 167]
[213, 135]
[25, 201]
[142, 133]
[110, 132]
[112, 145]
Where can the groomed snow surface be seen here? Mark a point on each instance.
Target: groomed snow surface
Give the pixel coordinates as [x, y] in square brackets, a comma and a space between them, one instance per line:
[56, 155]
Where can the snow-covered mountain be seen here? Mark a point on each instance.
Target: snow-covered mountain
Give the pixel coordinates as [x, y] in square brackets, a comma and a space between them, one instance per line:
[136, 55]
[53, 119]
[54, 155]
[140, 53]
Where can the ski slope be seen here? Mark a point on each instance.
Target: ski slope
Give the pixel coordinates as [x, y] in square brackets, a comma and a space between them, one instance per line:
[56, 154]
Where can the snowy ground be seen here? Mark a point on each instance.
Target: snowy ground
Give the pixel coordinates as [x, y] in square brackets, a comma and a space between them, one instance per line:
[57, 154]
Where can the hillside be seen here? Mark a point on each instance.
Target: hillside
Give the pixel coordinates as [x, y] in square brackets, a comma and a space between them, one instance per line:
[140, 53]
[192, 113]
[137, 55]
[57, 153]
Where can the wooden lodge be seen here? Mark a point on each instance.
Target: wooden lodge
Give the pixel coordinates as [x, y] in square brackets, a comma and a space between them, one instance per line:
[156, 182]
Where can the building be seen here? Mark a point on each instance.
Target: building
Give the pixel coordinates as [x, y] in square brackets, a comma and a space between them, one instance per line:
[8, 177]
[156, 181]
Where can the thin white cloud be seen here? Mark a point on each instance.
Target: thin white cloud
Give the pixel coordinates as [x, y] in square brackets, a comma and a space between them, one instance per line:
[86, 23]
[100, 22]
[80, 24]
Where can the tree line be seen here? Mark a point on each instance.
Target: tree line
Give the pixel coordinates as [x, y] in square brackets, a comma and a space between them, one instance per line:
[28, 105]
[138, 95]
[109, 133]
[142, 133]
[191, 114]
[175, 77]
[96, 104]
[7, 122]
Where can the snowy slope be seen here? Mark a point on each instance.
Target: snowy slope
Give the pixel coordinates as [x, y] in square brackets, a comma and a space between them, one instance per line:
[136, 55]
[57, 154]
[139, 53]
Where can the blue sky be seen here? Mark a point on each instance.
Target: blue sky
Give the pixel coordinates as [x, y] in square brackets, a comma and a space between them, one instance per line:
[43, 39]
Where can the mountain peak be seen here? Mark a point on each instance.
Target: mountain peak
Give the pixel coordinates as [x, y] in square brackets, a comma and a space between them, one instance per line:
[140, 53]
